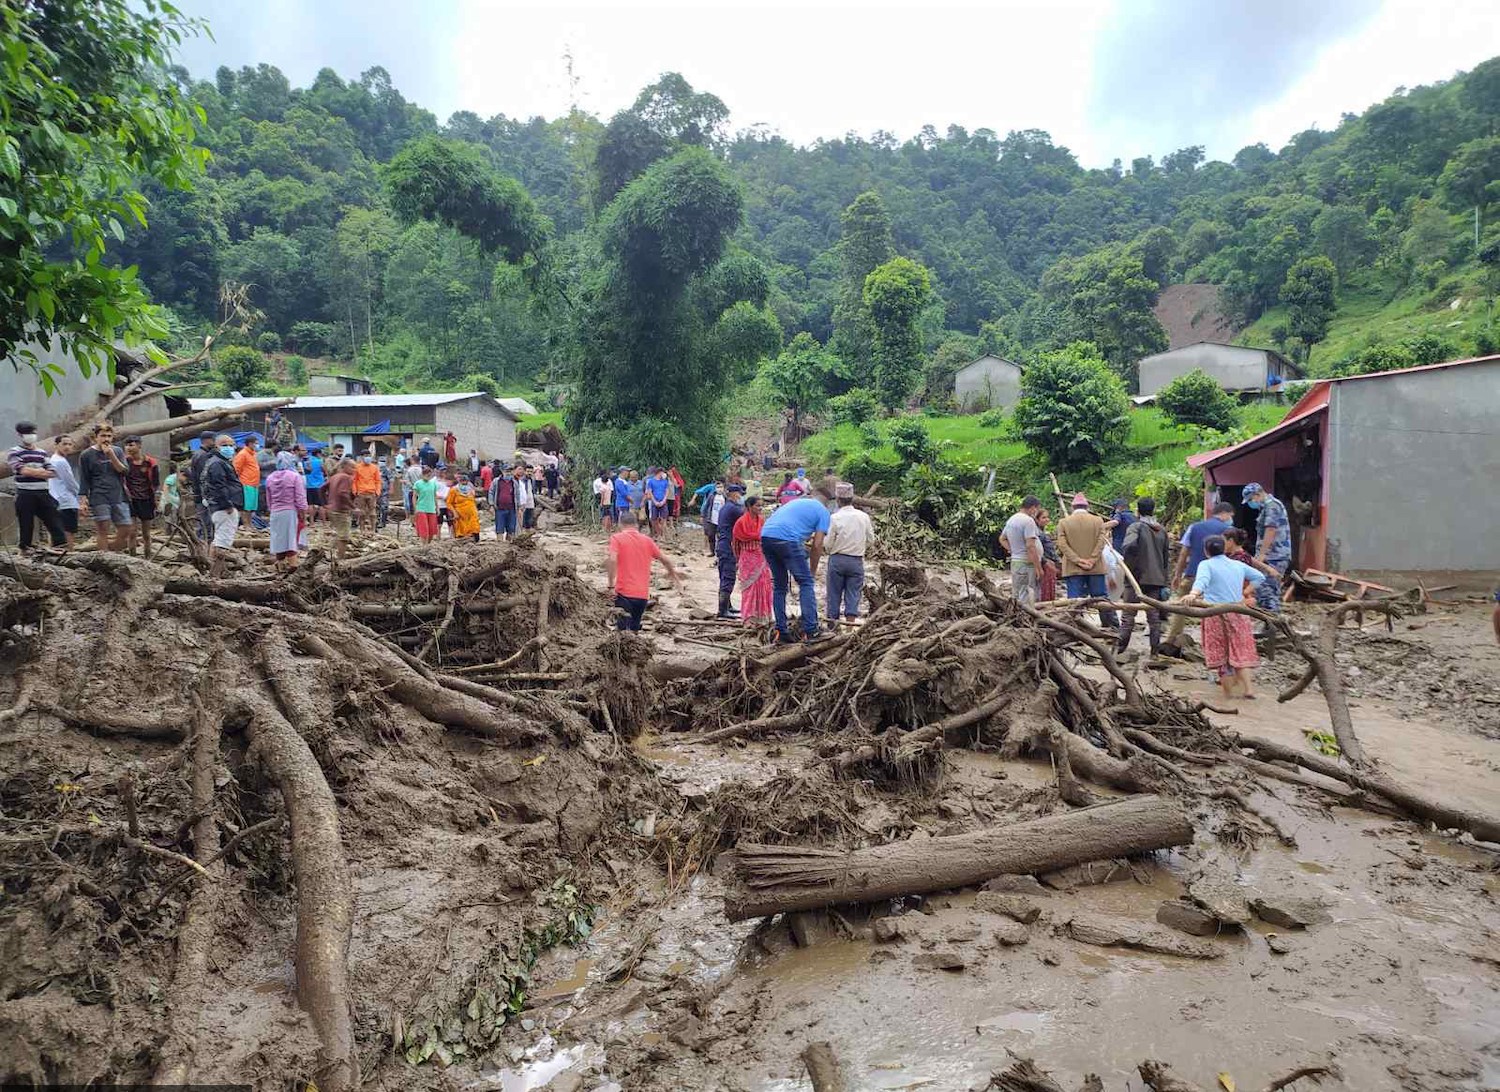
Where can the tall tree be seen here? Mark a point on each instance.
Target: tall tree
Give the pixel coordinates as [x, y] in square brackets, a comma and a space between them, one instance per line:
[799, 377]
[1309, 298]
[87, 113]
[865, 243]
[895, 294]
[650, 383]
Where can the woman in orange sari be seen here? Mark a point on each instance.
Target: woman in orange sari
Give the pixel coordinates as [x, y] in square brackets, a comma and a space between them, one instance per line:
[754, 574]
[464, 510]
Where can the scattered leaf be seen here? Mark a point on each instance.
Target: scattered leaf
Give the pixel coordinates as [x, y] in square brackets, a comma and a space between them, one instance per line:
[1226, 1082]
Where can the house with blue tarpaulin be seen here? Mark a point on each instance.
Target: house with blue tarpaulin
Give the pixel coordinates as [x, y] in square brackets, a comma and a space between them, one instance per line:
[384, 421]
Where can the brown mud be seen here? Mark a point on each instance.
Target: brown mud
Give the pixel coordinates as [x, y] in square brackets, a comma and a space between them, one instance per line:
[568, 867]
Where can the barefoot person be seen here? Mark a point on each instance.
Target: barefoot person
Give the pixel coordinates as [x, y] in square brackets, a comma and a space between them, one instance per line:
[1228, 644]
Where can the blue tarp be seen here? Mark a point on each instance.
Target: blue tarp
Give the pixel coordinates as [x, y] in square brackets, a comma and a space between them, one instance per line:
[239, 439]
[311, 444]
[381, 428]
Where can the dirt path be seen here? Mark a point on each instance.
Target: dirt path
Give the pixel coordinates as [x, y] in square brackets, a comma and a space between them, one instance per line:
[1401, 986]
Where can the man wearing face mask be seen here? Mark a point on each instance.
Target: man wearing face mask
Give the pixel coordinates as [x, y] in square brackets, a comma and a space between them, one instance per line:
[1273, 531]
[33, 473]
[224, 497]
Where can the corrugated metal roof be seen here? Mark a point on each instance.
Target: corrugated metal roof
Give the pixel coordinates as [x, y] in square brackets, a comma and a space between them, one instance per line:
[345, 401]
[1314, 401]
[518, 406]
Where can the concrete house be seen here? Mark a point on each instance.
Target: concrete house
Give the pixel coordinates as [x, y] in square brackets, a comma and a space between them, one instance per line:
[339, 384]
[1238, 368]
[988, 382]
[1387, 473]
[385, 420]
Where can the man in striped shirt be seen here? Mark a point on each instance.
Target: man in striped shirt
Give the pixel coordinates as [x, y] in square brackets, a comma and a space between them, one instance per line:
[33, 473]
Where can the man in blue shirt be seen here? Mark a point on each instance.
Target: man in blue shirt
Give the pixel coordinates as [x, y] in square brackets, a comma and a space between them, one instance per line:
[1273, 530]
[732, 509]
[782, 542]
[659, 508]
[1189, 557]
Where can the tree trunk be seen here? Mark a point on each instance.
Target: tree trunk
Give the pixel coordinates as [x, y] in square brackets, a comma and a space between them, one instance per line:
[779, 879]
[823, 1068]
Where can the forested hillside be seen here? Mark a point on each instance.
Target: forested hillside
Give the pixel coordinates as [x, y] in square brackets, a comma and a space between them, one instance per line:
[1368, 231]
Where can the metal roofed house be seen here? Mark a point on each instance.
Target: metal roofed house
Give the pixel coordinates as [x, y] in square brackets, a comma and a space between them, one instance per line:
[1386, 473]
[1236, 368]
[519, 406]
[328, 384]
[989, 382]
[478, 420]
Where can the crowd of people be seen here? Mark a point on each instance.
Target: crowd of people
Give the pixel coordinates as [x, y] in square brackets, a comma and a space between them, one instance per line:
[1128, 559]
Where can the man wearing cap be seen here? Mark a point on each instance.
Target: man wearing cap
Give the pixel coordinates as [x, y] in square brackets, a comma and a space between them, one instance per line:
[850, 532]
[1273, 531]
[783, 541]
[1081, 538]
[732, 509]
[1119, 523]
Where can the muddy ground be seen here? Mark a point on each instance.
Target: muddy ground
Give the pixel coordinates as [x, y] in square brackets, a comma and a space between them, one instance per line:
[457, 846]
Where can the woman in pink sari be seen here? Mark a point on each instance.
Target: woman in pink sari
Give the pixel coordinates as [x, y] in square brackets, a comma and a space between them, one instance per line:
[754, 574]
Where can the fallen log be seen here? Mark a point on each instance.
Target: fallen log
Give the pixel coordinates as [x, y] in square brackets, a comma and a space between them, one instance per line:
[780, 879]
[823, 1068]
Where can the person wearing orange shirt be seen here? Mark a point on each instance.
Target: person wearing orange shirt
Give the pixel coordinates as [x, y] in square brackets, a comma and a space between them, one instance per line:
[366, 491]
[247, 468]
[629, 570]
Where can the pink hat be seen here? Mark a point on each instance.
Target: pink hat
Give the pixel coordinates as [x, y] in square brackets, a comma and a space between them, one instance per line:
[1080, 501]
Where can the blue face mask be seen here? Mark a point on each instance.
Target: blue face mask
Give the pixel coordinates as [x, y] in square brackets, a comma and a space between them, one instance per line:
[1254, 504]
[226, 450]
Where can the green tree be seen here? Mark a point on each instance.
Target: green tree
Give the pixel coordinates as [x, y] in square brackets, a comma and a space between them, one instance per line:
[296, 371]
[1073, 408]
[895, 294]
[911, 441]
[1197, 399]
[650, 384]
[1109, 299]
[1472, 176]
[799, 377]
[854, 407]
[450, 183]
[1342, 232]
[1429, 237]
[240, 369]
[87, 115]
[865, 243]
[1309, 298]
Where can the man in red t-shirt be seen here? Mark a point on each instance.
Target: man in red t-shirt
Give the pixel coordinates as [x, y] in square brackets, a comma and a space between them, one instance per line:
[629, 568]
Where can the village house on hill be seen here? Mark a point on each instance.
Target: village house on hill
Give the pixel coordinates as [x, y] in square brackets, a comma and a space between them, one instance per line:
[1238, 369]
[987, 383]
[386, 420]
[1356, 453]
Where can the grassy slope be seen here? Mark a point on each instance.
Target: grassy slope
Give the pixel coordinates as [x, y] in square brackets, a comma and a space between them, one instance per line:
[1368, 314]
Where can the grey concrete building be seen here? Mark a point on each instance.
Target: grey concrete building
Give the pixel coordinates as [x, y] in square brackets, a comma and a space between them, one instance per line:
[384, 420]
[339, 384]
[1237, 368]
[988, 382]
[1383, 474]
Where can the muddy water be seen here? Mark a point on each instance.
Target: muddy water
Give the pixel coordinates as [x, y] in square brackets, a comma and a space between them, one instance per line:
[1389, 983]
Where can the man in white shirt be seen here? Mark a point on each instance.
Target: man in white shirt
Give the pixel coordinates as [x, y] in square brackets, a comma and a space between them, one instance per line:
[850, 533]
[604, 497]
[64, 486]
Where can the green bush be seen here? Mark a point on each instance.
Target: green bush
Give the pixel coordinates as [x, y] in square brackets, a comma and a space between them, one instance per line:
[869, 434]
[268, 341]
[865, 468]
[478, 381]
[240, 368]
[1197, 399]
[1073, 409]
[855, 407]
[973, 525]
[993, 418]
[296, 370]
[908, 436]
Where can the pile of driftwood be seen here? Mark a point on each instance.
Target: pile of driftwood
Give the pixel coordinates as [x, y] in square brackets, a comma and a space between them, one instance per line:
[289, 677]
[932, 669]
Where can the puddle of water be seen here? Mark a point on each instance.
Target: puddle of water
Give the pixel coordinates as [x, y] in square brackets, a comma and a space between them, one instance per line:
[577, 978]
[1314, 867]
[538, 1072]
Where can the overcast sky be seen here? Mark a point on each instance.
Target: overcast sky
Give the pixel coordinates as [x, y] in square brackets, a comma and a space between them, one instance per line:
[1107, 78]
